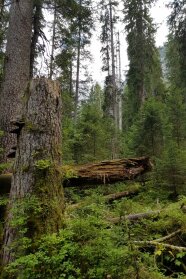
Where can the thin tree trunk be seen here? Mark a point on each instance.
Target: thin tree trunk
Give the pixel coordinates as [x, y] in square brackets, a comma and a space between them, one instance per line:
[78, 67]
[53, 41]
[17, 69]
[36, 33]
[37, 176]
[113, 66]
[120, 115]
[114, 87]
[1, 10]
[71, 79]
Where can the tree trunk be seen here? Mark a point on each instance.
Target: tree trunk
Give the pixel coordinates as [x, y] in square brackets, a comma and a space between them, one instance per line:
[36, 184]
[134, 217]
[17, 68]
[107, 171]
[1, 10]
[53, 42]
[78, 65]
[36, 32]
[115, 107]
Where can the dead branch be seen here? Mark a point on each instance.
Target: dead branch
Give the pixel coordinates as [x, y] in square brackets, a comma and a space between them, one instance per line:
[134, 217]
[156, 243]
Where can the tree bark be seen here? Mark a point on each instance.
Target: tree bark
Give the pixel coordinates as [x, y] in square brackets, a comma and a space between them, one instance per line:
[134, 217]
[37, 17]
[78, 64]
[107, 171]
[17, 66]
[53, 41]
[117, 196]
[37, 175]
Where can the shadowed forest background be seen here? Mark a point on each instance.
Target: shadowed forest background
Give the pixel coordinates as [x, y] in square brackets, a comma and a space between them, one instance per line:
[60, 219]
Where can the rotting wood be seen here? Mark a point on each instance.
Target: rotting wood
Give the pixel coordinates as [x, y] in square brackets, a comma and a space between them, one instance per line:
[106, 172]
[116, 196]
[134, 217]
[99, 173]
[108, 198]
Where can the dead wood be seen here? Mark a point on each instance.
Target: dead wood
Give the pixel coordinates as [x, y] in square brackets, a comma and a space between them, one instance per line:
[156, 243]
[106, 172]
[108, 198]
[116, 196]
[134, 217]
[99, 173]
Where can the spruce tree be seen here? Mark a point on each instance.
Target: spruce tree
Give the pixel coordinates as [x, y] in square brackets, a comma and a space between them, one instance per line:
[144, 74]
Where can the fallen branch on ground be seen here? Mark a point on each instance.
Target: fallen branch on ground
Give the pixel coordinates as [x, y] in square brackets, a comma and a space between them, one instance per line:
[108, 198]
[167, 237]
[134, 217]
[156, 243]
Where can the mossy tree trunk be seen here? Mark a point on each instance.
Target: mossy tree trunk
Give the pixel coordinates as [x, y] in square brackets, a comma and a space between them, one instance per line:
[36, 197]
[16, 69]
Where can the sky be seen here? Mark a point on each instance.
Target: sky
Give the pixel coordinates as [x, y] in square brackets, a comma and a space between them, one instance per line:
[159, 13]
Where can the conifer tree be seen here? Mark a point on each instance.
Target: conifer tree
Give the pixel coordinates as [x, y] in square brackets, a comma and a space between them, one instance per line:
[17, 67]
[142, 54]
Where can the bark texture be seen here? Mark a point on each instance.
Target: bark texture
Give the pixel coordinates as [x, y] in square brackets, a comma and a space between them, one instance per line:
[134, 217]
[105, 172]
[108, 171]
[17, 64]
[37, 18]
[37, 177]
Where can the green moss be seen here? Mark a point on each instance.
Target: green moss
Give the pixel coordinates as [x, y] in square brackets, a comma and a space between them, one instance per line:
[68, 172]
[43, 164]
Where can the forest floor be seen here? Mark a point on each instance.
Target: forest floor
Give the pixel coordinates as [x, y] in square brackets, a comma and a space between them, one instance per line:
[151, 244]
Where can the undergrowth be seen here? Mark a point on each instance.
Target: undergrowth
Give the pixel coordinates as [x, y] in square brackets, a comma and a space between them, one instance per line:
[90, 246]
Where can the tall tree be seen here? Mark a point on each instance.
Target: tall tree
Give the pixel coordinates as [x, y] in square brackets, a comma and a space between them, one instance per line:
[37, 32]
[110, 56]
[3, 30]
[177, 24]
[142, 54]
[108, 19]
[17, 68]
[73, 30]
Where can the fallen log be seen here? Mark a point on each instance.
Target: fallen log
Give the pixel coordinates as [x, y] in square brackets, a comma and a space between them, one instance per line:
[134, 217]
[104, 172]
[117, 196]
[108, 198]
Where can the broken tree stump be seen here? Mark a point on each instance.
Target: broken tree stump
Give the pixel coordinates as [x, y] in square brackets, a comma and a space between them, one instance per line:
[36, 193]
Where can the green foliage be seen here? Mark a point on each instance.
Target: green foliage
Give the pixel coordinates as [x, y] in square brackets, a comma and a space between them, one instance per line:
[144, 74]
[171, 168]
[43, 164]
[90, 247]
[146, 134]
